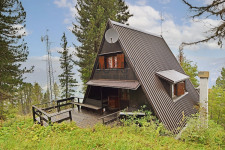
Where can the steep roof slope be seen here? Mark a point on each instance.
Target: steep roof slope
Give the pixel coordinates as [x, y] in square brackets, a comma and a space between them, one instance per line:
[148, 54]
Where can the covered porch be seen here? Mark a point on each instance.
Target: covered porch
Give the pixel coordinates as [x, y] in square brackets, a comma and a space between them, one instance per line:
[110, 95]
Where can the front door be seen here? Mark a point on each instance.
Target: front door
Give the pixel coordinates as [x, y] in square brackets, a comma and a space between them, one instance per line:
[124, 98]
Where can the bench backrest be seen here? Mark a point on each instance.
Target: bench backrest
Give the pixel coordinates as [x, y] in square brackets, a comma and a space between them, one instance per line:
[93, 102]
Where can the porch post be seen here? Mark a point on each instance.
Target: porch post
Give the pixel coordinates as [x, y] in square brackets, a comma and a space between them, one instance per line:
[101, 100]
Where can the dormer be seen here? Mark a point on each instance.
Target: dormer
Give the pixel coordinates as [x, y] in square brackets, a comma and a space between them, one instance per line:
[174, 83]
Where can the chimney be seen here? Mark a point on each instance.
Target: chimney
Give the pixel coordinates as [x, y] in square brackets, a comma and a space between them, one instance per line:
[203, 75]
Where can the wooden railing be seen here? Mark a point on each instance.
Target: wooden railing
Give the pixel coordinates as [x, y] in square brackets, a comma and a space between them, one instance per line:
[41, 110]
[110, 118]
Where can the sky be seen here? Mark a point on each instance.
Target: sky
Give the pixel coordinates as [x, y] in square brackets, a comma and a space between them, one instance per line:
[58, 16]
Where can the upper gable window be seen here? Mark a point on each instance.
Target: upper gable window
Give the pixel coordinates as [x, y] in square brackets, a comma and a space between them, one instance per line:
[111, 61]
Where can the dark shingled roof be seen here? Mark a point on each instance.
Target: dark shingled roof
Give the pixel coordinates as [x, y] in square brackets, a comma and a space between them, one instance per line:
[148, 54]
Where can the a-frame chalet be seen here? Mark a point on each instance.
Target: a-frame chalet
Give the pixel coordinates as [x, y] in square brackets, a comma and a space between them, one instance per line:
[138, 68]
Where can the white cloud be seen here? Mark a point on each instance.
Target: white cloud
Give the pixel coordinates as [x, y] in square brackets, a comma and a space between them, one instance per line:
[40, 76]
[149, 19]
[207, 1]
[164, 1]
[70, 6]
[21, 30]
[141, 2]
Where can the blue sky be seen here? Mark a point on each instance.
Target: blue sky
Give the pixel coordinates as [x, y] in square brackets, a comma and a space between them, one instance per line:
[58, 16]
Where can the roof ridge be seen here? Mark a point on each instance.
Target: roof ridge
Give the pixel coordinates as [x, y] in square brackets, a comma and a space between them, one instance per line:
[133, 28]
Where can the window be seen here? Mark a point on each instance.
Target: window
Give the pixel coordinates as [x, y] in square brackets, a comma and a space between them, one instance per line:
[101, 62]
[111, 61]
[178, 89]
[174, 83]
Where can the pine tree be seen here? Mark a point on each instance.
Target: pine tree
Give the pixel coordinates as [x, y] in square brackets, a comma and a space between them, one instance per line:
[13, 49]
[220, 81]
[189, 68]
[66, 78]
[217, 105]
[46, 97]
[37, 96]
[92, 19]
[56, 91]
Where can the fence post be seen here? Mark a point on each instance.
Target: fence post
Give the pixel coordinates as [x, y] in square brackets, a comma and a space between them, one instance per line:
[70, 116]
[72, 100]
[49, 121]
[58, 106]
[33, 111]
[41, 119]
[78, 105]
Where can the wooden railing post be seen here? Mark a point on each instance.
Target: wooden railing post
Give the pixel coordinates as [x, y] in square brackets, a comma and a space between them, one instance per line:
[49, 121]
[58, 106]
[41, 119]
[79, 105]
[33, 111]
[70, 116]
[72, 100]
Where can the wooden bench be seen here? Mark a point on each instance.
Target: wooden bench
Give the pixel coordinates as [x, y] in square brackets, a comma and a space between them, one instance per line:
[90, 103]
[43, 116]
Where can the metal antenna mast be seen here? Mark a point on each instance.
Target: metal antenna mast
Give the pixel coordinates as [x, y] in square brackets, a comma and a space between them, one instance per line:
[49, 68]
[161, 23]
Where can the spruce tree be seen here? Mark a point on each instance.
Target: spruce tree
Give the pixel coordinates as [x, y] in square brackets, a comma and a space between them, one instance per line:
[220, 81]
[189, 68]
[66, 78]
[56, 91]
[37, 95]
[91, 23]
[13, 49]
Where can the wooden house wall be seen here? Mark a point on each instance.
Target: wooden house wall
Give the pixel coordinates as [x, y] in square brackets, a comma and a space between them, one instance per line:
[111, 47]
[114, 74]
[138, 98]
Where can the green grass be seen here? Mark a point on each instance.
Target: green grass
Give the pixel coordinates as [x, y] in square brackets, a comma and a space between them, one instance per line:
[23, 134]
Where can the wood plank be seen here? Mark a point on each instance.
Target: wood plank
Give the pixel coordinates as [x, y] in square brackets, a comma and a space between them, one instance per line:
[59, 113]
[87, 105]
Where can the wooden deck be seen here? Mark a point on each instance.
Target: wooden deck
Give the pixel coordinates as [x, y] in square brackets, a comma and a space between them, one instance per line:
[64, 110]
[84, 118]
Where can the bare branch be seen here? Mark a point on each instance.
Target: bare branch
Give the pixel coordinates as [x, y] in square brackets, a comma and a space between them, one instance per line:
[217, 9]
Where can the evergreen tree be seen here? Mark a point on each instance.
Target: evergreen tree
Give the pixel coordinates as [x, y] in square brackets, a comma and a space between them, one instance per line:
[220, 81]
[189, 68]
[37, 95]
[217, 105]
[13, 49]
[92, 19]
[56, 91]
[66, 78]
[46, 97]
